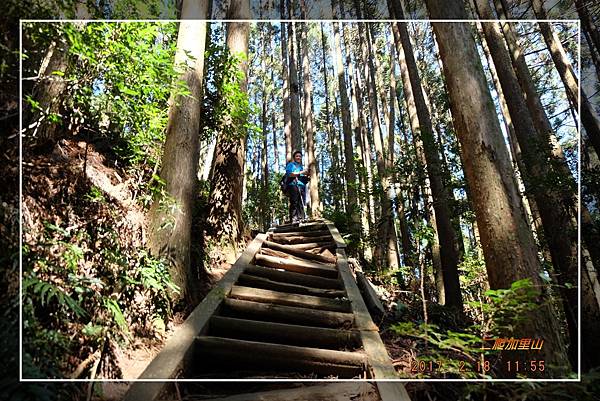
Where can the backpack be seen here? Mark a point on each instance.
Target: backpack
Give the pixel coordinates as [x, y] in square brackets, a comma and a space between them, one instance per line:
[283, 184]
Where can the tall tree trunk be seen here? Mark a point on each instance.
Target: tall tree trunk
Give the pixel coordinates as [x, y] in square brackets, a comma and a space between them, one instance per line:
[362, 145]
[335, 164]
[591, 35]
[315, 204]
[287, 118]
[225, 201]
[559, 222]
[528, 202]
[272, 101]
[534, 103]
[508, 244]
[296, 133]
[352, 209]
[392, 107]
[265, 171]
[375, 136]
[421, 179]
[407, 246]
[171, 214]
[593, 53]
[46, 119]
[266, 94]
[589, 117]
[589, 232]
[366, 150]
[391, 248]
[590, 308]
[274, 132]
[393, 251]
[587, 23]
[446, 233]
[386, 206]
[440, 127]
[207, 146]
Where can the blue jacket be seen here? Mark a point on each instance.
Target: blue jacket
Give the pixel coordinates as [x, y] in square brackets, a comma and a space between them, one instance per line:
[293, 167]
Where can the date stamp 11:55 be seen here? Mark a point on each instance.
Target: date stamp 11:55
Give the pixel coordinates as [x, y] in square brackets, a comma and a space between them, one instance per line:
[488, 362]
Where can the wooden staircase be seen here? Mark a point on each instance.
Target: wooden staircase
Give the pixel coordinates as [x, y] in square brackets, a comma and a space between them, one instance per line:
[289, 308]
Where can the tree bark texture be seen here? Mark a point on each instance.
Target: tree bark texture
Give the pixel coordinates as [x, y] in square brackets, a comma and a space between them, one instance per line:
[294, 91]
[515, 149]
[508, 244]
[49, 92]
[333, 150]
[590, 233]
[362, 146]
[225, 202]
[560, 224]
[587, 23]
[386, 205]
[393, 253]
[446, 234]
[590, 313]
[264, 159]
[568, 197]
[589, 116]
[287, 118]
[171, 214]
[352, 206]
[423, 180]
[315, 204]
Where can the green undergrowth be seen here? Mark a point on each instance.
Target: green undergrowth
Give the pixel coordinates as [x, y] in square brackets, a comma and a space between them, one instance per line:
[450, 343]
[89, 288]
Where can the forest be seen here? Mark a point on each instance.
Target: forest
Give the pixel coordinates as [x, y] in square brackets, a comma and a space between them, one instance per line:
[458, 161]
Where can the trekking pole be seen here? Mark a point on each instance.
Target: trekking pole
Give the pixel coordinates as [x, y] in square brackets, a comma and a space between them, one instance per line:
[304, 200]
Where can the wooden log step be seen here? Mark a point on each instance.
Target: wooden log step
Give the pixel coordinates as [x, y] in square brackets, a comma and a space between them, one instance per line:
[235, 352]
[267, 284]
[316, 233]
[286, 225]
[283, 298]
[285, 255]
[301, 239]
[246, 368]
[290, 352]
[280, 333]
[279, 254]
[298, 252]
[300, 227]
[308, 245]
[293, 278]
[315, 269]
[285, 314]
[313, 245]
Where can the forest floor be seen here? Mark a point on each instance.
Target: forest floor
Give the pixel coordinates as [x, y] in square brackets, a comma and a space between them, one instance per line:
[81, 211]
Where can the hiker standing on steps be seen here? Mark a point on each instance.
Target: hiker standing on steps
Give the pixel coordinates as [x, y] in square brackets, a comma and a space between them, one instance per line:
[297, 178]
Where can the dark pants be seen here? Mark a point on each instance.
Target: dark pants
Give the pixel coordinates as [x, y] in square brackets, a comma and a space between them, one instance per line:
[296, 207]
